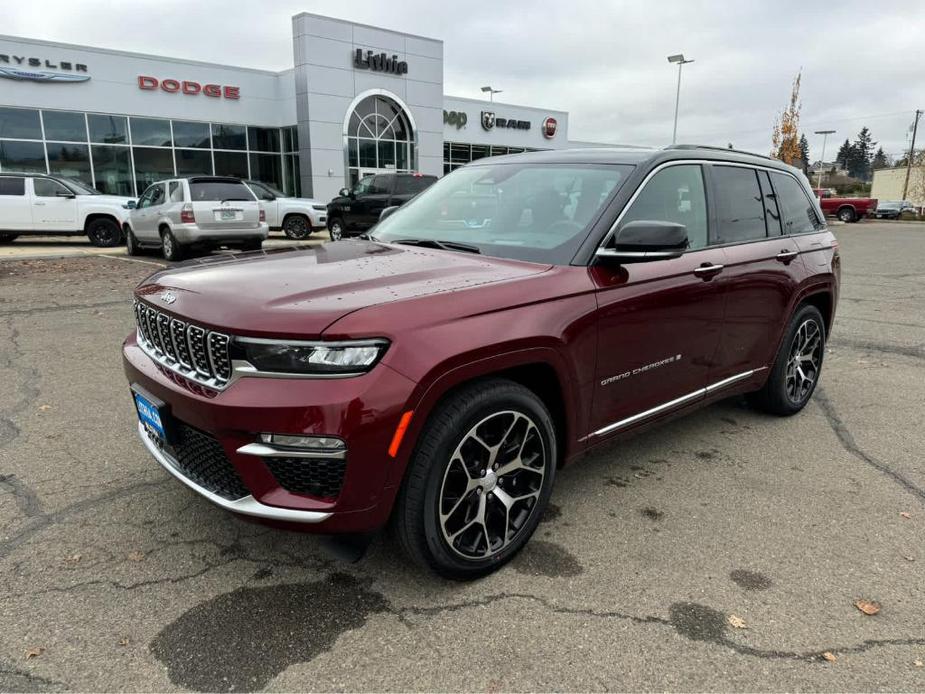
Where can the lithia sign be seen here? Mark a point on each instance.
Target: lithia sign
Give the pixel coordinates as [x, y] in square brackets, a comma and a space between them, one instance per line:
[18, 67]
[379, 62]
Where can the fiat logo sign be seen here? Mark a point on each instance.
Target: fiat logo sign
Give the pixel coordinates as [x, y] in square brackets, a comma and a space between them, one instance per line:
[549, 128]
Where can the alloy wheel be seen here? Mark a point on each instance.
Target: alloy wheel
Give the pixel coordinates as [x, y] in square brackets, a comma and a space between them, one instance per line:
[337, 231]
[297, 228]
[805, 359]
[492, 484]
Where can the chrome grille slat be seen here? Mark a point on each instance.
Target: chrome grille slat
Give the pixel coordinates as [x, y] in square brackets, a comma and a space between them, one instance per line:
[193, 352]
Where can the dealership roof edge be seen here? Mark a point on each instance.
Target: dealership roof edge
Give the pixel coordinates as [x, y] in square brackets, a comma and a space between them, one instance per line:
[328, 18]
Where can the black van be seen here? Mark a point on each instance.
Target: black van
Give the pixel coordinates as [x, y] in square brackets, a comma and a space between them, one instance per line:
[356, 210]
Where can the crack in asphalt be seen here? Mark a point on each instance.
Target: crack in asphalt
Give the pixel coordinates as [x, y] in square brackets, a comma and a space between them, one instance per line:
[916, 352]
[29, 377]
[13, 679]
[846, 438]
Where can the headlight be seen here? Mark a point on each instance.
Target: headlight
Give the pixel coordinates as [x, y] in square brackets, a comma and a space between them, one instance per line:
[322, 358]
[320, 208]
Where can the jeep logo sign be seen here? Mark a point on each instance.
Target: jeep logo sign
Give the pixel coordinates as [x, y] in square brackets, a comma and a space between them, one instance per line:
[457, 118]
[379, 63]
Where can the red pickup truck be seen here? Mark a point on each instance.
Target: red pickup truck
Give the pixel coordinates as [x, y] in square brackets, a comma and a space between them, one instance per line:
[846, 209]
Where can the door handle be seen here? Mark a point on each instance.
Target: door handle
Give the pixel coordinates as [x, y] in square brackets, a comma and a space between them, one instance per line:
[708, 272]
[786, 256]
[39, 204]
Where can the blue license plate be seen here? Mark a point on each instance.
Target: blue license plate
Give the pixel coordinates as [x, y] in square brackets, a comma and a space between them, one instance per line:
[149, 415]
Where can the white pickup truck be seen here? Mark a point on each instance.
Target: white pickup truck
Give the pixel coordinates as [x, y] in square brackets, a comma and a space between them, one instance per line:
[297, 217]
[40, 205]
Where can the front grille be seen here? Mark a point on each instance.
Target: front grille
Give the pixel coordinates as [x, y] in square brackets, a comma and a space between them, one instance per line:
[191, 351]
[201, 458]
[317, 477]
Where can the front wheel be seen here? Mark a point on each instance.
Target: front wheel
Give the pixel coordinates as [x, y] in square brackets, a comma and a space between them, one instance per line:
[796, 368]
[336, 229]
[478, 481]
[104, 233]
[297, 227]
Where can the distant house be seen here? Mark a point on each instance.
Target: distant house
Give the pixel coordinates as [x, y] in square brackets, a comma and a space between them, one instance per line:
[828, 167]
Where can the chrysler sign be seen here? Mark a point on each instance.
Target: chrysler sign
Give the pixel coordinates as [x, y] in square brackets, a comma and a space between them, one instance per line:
[20, 67]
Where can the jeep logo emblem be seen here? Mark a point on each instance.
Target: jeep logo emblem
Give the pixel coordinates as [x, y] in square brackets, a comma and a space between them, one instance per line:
[457, 118]
[168, 297]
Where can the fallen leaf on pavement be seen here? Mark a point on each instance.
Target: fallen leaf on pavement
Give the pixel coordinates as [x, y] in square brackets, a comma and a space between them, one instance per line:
[44, 408]
[868, 607]
[736, 622]
[123, 641]
[831, 657]
[905, 514]
[34, 652]
[135, 556]
[919, 663]
[73, 559]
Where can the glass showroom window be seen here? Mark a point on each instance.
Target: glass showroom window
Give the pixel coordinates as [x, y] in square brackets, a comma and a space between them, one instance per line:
[230, 164]
[151, 164]
[70, 160]
[190, 134]
[193, 162]
[28, 157]
[153, 132]
[229, 136]
[112, 169]
[20, 123]
[379, 136]
[65, 126]
[108, 129]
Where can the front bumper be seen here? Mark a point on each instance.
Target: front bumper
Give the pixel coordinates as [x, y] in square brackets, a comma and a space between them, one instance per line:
[363, 411]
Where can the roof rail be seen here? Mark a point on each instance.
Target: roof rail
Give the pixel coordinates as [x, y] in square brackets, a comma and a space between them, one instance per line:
[721, 149]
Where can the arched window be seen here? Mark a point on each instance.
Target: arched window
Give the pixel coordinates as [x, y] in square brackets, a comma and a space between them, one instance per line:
[379, 138]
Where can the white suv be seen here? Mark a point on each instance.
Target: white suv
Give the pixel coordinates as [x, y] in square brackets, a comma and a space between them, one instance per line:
[297, 217]
[203, 211]
[40, 205]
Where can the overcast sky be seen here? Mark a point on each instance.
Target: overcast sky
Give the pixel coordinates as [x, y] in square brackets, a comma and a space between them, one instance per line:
[604, 61]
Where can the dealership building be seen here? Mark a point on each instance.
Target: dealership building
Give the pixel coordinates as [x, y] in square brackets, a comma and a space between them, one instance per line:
[358, 100]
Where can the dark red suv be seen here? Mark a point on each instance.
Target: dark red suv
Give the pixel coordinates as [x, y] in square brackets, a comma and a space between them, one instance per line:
[517, 313]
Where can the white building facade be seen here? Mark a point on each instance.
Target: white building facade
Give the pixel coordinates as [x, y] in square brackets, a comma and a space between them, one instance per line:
[358, 100]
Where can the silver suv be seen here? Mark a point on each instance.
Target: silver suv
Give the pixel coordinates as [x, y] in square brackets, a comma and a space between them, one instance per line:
[203, 211]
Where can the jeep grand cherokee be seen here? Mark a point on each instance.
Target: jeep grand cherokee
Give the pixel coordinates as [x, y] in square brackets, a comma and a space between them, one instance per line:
[517, 313]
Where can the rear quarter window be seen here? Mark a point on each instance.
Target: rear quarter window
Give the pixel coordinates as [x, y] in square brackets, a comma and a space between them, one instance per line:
[12, 186]
[218, 191]
[798, 213]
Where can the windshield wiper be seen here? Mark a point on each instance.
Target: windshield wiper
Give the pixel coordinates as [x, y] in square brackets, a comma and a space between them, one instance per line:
[442, 245]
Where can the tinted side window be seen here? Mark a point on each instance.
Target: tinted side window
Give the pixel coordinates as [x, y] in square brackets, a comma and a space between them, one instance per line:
[739, 205]
[411, 184]
[771, 208]
[157, 195]
[380, 185]
[12, 186]
[674, 194]
[797, 211]
[46, 188]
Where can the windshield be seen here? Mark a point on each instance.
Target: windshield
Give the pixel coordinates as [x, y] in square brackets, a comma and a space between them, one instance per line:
[79, 187]
[534, 212]
[266, 188]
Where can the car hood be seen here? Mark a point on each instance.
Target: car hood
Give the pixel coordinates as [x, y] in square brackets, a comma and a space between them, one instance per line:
[107, 199]
[301, 201]
[297, 293]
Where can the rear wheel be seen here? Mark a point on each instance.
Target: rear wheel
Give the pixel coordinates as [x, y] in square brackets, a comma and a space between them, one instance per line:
[103, 232]
[131, 243]
[796, 368]
[478, 481]
[170, 247]
[846, 214]
[6, 238]
[336, 229]
[297, 227]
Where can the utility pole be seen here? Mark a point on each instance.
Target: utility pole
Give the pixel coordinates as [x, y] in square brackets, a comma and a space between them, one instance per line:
[915, 128]
[681, 61]
[825, 134]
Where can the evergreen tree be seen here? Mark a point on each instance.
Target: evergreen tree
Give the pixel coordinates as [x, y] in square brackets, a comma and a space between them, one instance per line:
[804, 153]
[880, 160]
[844, 154]
[862, 153]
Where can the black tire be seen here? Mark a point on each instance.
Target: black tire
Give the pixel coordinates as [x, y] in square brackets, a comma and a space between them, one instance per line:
[783, 394]
[253, 245]
[297, 227]
[131, 243]
[336, 228]
[170, 247]
[847, 215]
[103, 232]
[7, 238]
[486, 406]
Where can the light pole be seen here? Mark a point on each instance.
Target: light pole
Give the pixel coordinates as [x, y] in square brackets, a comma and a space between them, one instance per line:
[825, 134]
[681, 61]
[491, 93]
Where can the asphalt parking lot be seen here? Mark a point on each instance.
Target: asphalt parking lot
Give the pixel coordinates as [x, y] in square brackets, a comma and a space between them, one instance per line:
[723, 551]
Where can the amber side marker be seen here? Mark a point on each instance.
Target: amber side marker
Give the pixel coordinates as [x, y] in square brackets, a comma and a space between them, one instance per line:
[400, 433]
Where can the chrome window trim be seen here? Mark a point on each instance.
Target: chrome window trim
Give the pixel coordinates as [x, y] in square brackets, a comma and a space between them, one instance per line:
[671, 404]
[706, 184]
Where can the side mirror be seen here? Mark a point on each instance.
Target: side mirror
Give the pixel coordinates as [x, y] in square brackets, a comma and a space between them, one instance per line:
[388, 211]
[131, 204]
[344, 192]
[644, 241]
[68, 195]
